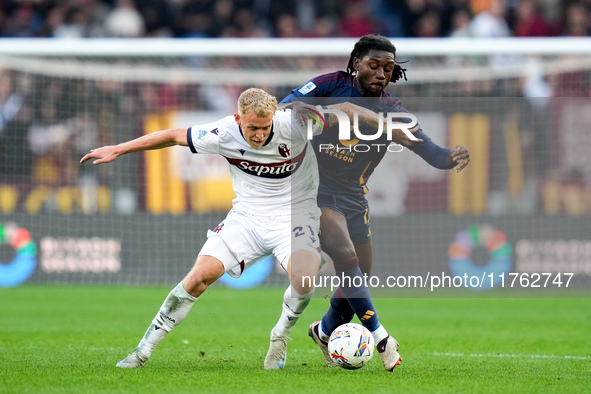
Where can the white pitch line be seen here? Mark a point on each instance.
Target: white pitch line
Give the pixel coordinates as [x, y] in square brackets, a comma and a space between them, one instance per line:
[506, 355]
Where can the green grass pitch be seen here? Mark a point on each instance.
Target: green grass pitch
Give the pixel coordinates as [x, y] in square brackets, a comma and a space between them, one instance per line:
[67, 339]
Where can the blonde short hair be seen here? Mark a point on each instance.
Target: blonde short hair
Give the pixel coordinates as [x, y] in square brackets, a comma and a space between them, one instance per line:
[258, 102]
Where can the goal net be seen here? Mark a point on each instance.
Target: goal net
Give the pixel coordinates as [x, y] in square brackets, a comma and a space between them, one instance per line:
[522, 206]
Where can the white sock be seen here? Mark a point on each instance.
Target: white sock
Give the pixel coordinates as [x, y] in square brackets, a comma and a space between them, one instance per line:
[175, 308]
[379, 334]
[294, 305]
[325, 337]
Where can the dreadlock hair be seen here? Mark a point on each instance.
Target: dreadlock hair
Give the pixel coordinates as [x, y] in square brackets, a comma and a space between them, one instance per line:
[375, 42]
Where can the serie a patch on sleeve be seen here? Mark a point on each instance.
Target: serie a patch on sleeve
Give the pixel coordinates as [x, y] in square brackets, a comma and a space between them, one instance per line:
[307, 88]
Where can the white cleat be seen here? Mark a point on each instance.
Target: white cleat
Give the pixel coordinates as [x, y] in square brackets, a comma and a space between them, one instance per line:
[313, 333]
[389, 353]
[276, 355]
[133, 360]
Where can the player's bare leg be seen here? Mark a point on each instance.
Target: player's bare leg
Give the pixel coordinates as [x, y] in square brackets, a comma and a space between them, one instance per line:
[365, 254]
[175, 308]
[303, 264]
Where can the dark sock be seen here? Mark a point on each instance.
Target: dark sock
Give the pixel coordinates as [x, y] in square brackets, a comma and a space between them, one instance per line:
[339, 312]
[358, 297]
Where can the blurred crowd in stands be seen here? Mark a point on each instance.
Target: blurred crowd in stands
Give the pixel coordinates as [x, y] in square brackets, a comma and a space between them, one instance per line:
[42, 136]
[294, 18]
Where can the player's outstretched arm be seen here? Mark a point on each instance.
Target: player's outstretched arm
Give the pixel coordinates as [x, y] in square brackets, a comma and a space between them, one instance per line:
[370, 118]
[158, 140]
[458, 157]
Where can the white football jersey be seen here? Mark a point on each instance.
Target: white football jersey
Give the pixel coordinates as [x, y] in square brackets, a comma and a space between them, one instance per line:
[279, 178]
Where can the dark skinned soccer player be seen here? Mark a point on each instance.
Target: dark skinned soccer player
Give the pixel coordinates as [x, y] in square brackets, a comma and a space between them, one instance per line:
[344, 223]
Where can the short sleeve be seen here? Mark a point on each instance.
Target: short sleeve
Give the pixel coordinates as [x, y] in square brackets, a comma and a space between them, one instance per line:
[204, 138]
[309, 89]
[319, 86]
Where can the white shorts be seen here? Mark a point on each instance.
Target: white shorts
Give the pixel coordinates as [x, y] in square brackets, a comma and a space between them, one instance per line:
[242, 239]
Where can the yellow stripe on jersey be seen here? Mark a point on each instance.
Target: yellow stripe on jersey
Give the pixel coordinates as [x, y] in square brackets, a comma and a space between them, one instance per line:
[362, 179]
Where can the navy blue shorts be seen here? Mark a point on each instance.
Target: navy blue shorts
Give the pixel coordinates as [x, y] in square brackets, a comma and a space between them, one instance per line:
[354, 208]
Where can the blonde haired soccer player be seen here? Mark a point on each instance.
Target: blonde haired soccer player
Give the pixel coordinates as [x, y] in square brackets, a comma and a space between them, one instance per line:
[275, 179]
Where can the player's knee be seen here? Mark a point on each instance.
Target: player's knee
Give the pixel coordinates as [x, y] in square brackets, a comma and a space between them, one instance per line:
[196, 285]
[303, 272]
[339, 249]
[338, 254]
[303, 284]
[302, 280]
[200, 277]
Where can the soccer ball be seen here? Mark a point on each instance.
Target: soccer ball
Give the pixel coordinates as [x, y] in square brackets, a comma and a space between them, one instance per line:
[351, 345]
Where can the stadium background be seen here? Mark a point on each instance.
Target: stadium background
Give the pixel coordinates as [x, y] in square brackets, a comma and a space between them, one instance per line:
[521, 106]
